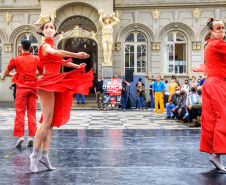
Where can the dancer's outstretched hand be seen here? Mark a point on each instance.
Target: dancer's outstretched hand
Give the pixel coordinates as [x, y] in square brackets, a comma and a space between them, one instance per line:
[82, 65]
[82, 55]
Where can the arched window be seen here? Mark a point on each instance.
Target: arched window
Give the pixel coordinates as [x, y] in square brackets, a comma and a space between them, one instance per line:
[175, 51]
[136, 52]
[32, 39]
[0, 56]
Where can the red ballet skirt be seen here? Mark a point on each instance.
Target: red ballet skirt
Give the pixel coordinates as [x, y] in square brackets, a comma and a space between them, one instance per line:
[64, 85]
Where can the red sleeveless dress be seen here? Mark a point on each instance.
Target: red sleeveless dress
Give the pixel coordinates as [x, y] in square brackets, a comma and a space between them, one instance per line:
[64, 85]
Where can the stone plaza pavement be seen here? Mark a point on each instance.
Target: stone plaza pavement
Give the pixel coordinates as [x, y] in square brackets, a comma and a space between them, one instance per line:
[111, 148]
[110, 119]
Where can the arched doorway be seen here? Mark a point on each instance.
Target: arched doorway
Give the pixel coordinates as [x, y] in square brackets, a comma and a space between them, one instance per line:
[80, 26]
[76, 45]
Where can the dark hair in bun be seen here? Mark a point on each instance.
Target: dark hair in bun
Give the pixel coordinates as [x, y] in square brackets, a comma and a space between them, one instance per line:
[42, 28]
[210, 23]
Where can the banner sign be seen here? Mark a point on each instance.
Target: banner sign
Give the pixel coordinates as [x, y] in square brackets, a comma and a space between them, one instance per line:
[112, 89]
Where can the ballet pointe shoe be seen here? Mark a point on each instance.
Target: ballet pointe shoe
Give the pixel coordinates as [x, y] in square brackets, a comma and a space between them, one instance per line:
[34, 160]
[19, 141]
[44, 159]
[33, 167]
[217, 162]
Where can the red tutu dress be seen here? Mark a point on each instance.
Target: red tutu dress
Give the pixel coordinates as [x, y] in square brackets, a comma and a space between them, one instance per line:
[64, 85]
[213, 131]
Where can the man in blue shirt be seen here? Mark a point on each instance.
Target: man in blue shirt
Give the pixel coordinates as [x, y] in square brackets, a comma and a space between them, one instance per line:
[158, 94]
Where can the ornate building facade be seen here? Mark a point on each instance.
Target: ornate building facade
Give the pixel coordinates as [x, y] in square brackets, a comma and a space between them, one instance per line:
[153, 37]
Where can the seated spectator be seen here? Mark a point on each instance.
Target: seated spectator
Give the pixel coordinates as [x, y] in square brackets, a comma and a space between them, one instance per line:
[180, 110]
[195, 109]
[192, 98]
[173, 103]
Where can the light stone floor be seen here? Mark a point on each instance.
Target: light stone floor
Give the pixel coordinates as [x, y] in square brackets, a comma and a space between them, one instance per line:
[111, 119]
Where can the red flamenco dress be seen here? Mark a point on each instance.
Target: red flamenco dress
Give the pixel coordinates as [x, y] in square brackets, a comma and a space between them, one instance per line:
[213, 131]
[64, 85]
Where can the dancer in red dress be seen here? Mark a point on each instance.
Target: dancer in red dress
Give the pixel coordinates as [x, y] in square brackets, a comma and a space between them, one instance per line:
[26, 66]
[213, 131]
[56, 92]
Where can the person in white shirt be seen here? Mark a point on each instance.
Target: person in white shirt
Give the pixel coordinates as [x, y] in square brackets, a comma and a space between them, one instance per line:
[186, 86]
[166, 95]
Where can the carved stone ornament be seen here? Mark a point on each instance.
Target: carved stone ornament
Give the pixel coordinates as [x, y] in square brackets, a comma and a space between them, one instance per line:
[117, 14]
[77, 32]
[196, 13]
[196, 46]
[156, 14]
[45, 18]
[8, 48]
[8, 17]
[155, 46]
[117, 46]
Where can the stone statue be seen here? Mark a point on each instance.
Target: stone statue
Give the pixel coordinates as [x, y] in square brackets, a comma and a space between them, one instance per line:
[45, 18]
[107, 24]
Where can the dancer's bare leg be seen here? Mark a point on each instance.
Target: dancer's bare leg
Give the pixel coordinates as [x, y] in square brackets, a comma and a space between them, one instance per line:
[45, 148]
[47, 107]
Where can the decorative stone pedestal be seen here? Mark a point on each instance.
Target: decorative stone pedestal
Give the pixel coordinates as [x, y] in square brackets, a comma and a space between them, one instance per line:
[107, 71]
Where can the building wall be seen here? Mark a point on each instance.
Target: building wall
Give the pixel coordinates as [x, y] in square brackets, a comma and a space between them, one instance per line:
[134, 16]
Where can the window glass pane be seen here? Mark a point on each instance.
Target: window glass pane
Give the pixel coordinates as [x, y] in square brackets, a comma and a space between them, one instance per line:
[34, 50]
[180, 58]
[127, 60]
[141, 59]
[33, 39]
[180, 37]
[24, 37]
[130, 38]
[140, 38]
[170, 36]
[129, 56]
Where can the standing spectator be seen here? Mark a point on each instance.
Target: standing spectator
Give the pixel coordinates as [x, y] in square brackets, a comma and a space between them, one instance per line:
[192, 98]
[151, 95]
[173, 103]
[180, 109]
[124, 93]
[166, 95]
[82, 97]
[13, 88]
[195, 109]
[158, 95]
[172, 87]
[98, 89]
[194, 80]
[140, 95]
[202, 81]
[198, 82]
[178, 83]
[186, 86]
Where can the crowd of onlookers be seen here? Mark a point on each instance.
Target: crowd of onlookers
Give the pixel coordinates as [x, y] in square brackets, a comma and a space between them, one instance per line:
[182, 103]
